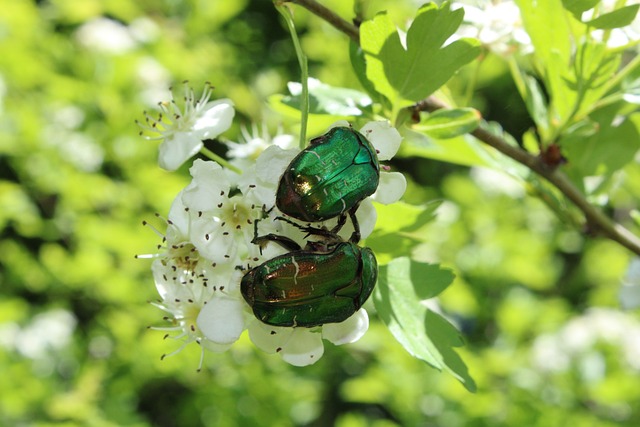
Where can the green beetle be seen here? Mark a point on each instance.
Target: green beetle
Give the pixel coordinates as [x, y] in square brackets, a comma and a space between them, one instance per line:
[324, 283]
[330, 178]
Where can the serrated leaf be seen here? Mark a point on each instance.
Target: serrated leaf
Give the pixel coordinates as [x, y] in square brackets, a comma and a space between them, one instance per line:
[449, 123]
[421, 331]
[325, 99]
[408, 75]
[615, 19]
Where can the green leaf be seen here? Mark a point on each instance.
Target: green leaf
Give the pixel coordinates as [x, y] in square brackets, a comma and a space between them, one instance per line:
[449, 123]
[325, 99]
[616, 19]
[356, 55]
[404, 216]
[577, 7]
[547, 25]
[399, 219]
[536, 104]
[406, 76]
[462, 150]
[602, 147]
[421, 331]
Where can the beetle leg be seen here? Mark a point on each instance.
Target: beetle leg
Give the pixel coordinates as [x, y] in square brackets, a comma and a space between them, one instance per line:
[287, 243]
[355, 236]
[342, 220]
[311, 231]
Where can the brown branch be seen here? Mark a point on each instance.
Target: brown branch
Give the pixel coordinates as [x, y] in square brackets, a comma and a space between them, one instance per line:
[596, 220]
[328, 15]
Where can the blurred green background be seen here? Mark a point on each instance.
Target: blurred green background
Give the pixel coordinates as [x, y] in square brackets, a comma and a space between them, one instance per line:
[537, 303]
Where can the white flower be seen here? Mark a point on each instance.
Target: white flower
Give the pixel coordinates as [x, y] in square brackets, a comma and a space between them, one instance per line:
[105, 35]
[202, 299]
[580, 341]
[498, 26]
[386, 140]
[303, 346]
[183, 130]
[47, 333]
[222, 213]
[255, 142]
[208, 248]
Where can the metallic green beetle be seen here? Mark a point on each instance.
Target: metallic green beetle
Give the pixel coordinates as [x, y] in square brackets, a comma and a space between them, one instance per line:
[330, 178]
[311, 287]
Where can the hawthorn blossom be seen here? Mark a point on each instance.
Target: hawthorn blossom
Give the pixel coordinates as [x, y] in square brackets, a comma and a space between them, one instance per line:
[303, 346]
[209, 242]
[223, 213]
[183, 130]
[497, 25]
[257, 140]
[195, 292]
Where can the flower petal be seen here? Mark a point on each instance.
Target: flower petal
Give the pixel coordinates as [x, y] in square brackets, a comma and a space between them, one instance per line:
[221, 320]
[208, 183]
[166, 288]
[212, 243]
[303, 348]
[351, 330]
[339, 123]
[267, 338]
[177, 149]
[178, 221]
[384, 137]
[272, 162]
[217, 118]
[392, 186]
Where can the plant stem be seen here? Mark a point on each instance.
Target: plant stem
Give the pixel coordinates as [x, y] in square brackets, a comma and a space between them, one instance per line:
[304, 72]
[222, 162]
[596, 220]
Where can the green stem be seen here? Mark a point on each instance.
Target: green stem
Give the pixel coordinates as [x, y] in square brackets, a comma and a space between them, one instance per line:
[222, 162]
[304, 71]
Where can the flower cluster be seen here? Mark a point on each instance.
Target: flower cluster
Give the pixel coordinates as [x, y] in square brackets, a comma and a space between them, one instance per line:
[497, 24]
[585, 343]
[207, 247]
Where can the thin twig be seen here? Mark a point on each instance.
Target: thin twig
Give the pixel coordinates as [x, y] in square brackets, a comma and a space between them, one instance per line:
[596, 220]
[329, 16]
